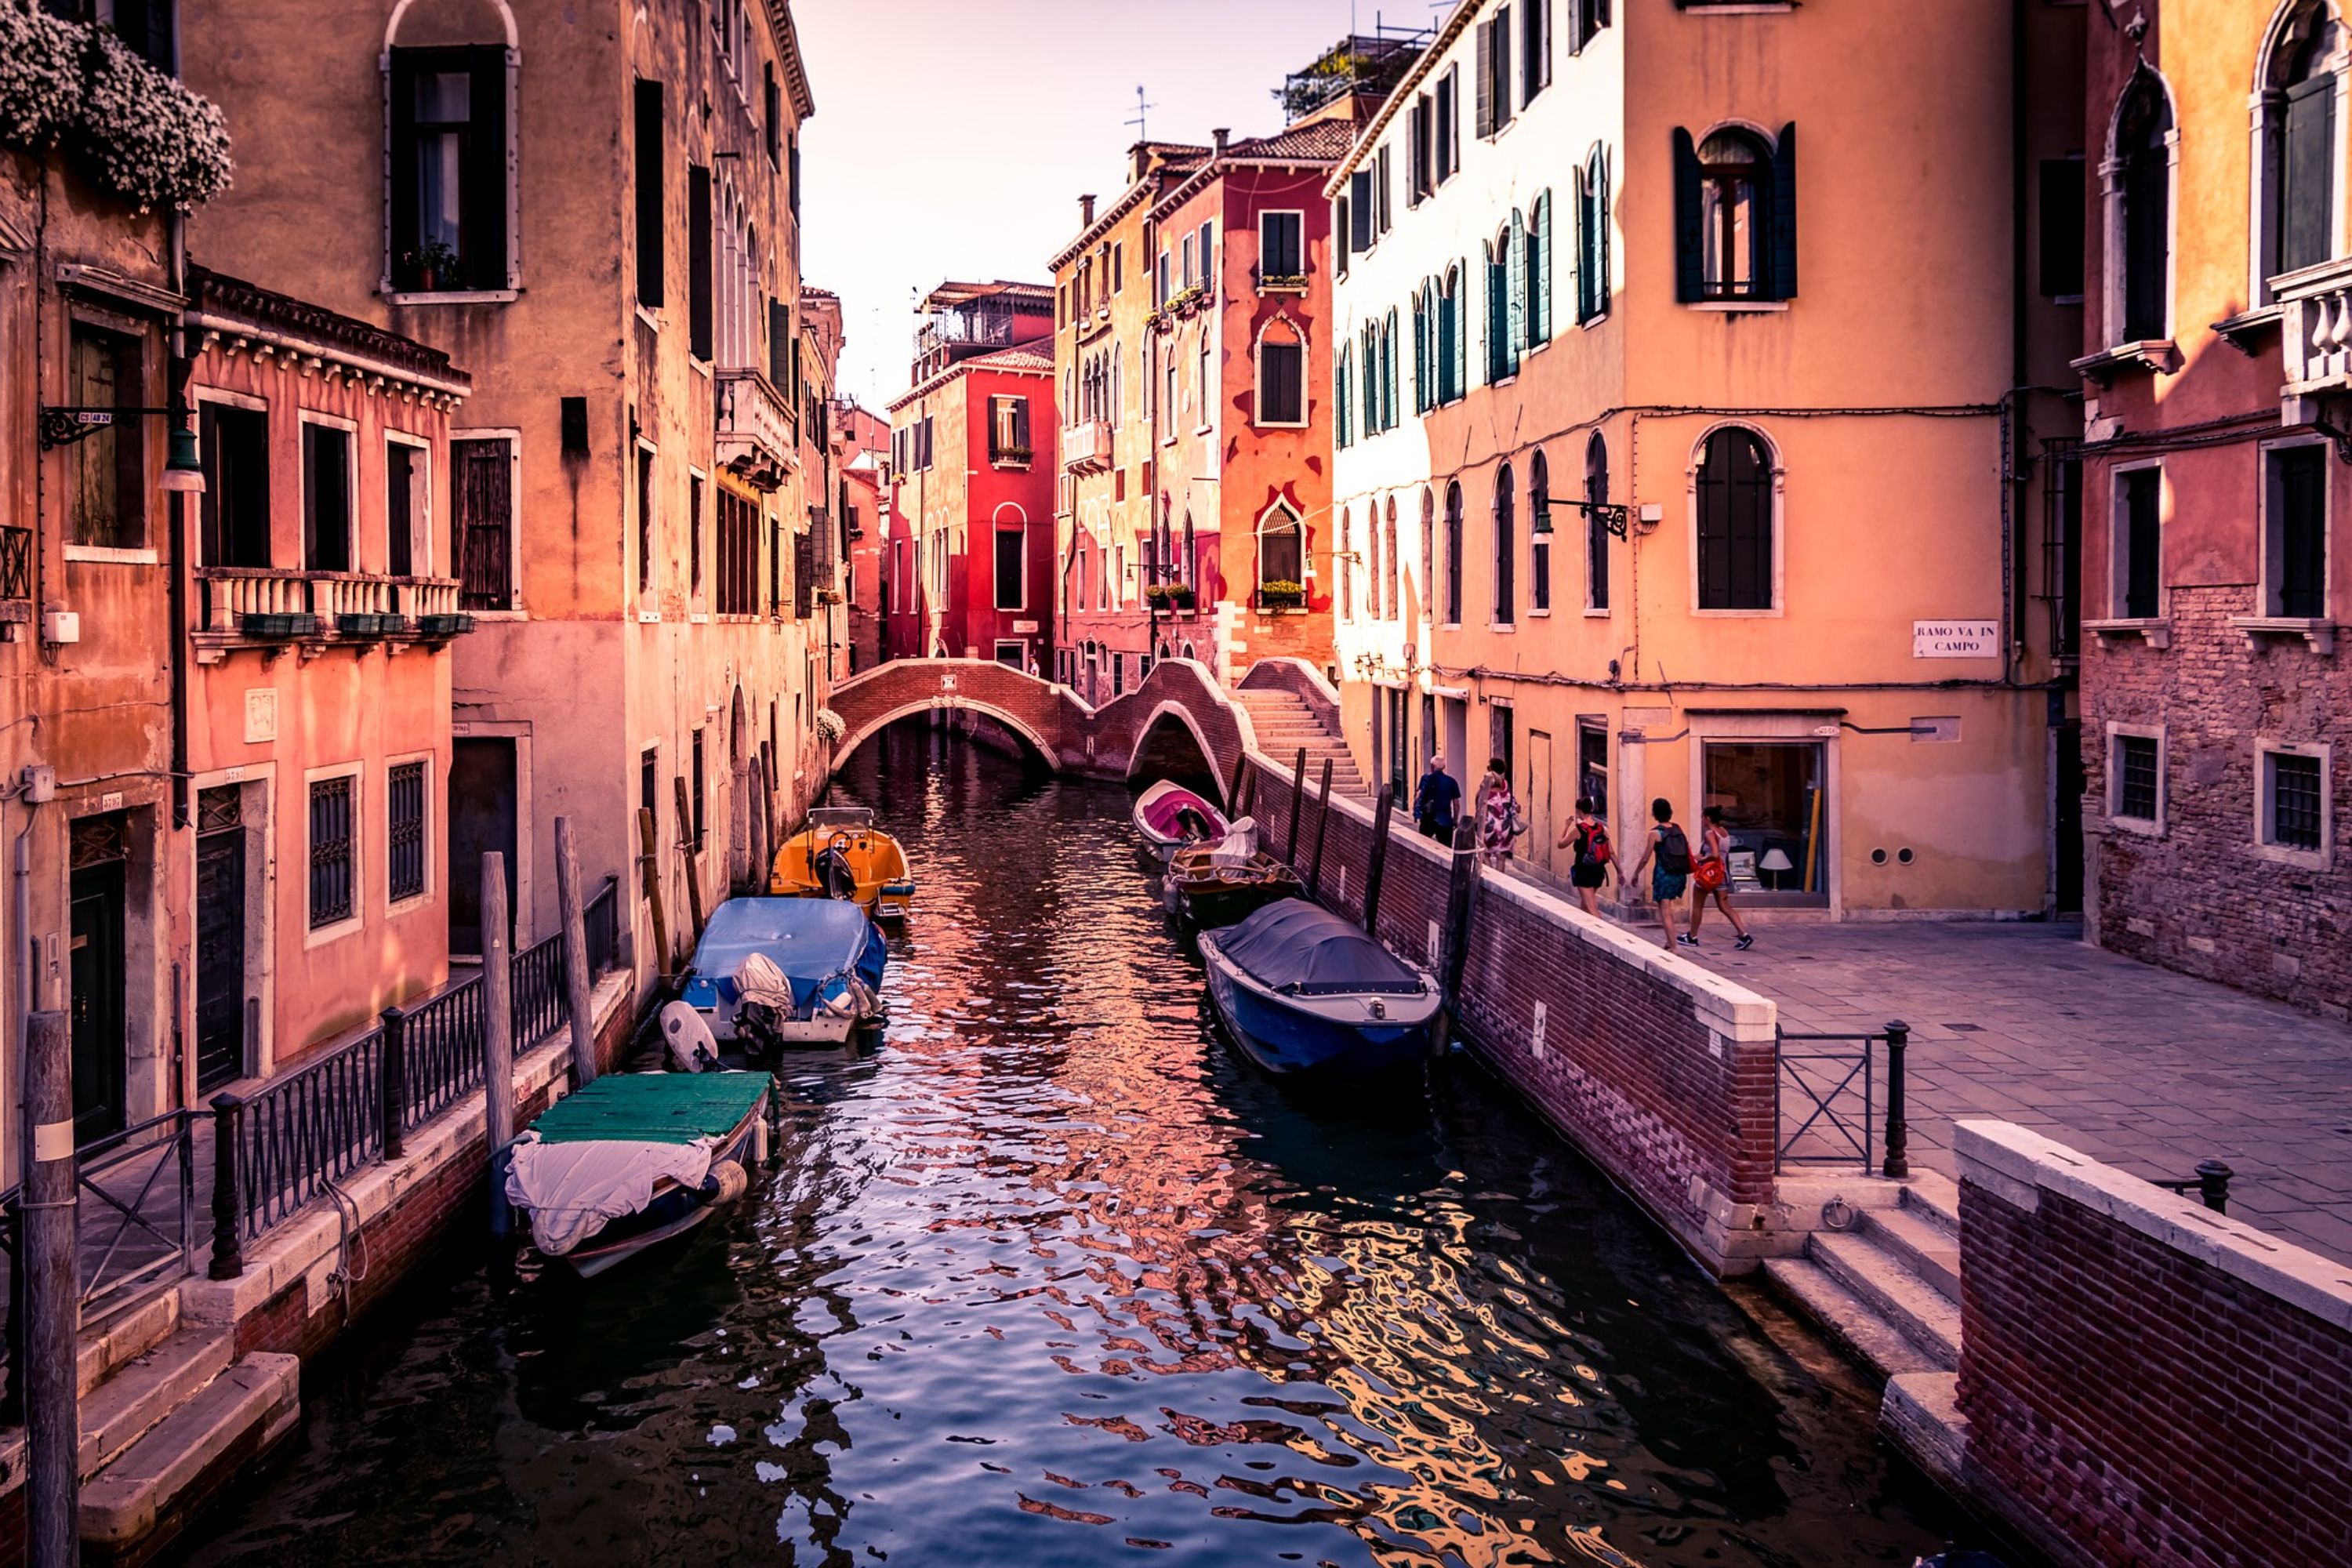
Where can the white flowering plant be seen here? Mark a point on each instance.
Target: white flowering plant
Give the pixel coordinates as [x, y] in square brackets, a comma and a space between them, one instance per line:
[137, 131]
[830, 725]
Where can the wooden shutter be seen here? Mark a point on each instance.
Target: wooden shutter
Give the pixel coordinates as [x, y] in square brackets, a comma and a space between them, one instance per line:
[780, 344]
[1448, 126]
[1784, 216]
[1340, 233]
[1421, 352]
[652, 232]
[1516, 269]
[1688, 245]
[2305, 209]
[1735, 524]
[1502, 47]
[1538, 65]
[1600, 238]
[1484, 66]
[1340, 432]
[699, 279]
[486, 170]
[1021, 424]
[481, 489]
[1359, 210]
[2300, 569]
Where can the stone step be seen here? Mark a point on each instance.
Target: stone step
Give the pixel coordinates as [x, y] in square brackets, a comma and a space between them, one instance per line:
[149, 1388]
[224, 1428]
[1934, 1197]
[130, 1333]
[1920, 1312]
[1924, 1247]
[1846, 1318]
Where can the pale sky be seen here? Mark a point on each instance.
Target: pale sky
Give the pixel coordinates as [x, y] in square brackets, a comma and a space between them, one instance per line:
[953, 138]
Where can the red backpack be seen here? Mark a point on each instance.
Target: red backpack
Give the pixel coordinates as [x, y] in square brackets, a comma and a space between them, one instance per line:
[1592, 848]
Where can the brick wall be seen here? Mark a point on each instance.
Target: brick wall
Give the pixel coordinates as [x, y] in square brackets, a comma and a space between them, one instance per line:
[1660, 1072]
[2201, 899]
[2145, 1383]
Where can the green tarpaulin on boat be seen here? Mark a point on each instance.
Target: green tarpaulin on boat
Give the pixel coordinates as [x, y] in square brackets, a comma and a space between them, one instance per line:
[654, 1108]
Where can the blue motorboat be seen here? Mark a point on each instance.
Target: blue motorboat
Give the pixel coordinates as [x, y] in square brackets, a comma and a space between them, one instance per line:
[1301, 990]
[780, 972]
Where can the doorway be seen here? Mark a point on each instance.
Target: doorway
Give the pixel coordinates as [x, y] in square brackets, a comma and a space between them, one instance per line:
[2066, 818]
[1499, 740]
[481, 819]
[99, 886]
[1456, 711]
[220, 938]
[1538, 795]
[1774, 798]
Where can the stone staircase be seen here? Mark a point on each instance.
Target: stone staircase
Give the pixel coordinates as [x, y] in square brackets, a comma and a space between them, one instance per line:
[1285, 723]
[170, 1413]
[1887, 1287]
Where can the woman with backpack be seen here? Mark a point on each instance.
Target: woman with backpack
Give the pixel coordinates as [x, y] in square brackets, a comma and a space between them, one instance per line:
[1590, 858]
[1669, 846]
[1712, 876]
[1499, 821]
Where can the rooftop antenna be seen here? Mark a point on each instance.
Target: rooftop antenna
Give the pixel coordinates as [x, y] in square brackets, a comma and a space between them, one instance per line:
[1141, 109]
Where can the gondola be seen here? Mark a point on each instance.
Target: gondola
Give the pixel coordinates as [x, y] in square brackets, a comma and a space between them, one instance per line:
[1301, 990]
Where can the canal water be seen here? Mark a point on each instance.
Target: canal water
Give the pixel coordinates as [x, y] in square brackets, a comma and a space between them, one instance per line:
[1053, 1277]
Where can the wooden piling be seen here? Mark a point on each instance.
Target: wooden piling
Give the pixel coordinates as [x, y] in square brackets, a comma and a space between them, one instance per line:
[1461, 895]
[498, 1033]
[691, 846]
[1383, 810]
[577, 981]
[1233, 790]
[1322, 823]
[49, 1256]
[649, 861]
[1297, 806]
[1249, 788]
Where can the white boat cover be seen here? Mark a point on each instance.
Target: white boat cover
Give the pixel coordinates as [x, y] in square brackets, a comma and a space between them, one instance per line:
[1238, 846]
[571, 1189]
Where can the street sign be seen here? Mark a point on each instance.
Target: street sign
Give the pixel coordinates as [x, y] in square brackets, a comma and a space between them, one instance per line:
[1955, 639]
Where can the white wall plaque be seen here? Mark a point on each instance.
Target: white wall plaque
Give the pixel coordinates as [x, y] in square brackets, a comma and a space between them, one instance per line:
[1955, 639]
[260, 715]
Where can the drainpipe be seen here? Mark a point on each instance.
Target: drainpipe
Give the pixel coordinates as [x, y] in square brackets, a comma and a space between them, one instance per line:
[2012, 434]
[28, 974]
[176, 549]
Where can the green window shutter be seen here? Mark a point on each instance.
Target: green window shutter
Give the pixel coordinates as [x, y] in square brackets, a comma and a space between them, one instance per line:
[2306, 203]
[1600, 239]
[1485, 79]
[1784, 215]
[1687, 285]
[1539, 273]
[1516, 264]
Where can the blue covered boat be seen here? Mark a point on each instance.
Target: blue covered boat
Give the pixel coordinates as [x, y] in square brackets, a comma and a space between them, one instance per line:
[1301, 990]
[787, 970]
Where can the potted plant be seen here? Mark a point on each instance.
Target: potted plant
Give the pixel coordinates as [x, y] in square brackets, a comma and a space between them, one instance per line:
[428, 261]
[1281, 594]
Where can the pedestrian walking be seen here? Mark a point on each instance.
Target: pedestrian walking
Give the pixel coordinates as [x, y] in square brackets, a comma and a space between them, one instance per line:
[1711, 878]
[1667, 859]
[1591, 859]
[1499, 819]
[1436, 801]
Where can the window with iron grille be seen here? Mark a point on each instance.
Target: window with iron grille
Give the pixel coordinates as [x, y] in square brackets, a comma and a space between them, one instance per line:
[333, 857]
[2296, 785]
[405, 831]
[2138, 780]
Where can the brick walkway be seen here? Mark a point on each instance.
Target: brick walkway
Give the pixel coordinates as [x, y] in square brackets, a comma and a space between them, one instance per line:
[2146, 1069]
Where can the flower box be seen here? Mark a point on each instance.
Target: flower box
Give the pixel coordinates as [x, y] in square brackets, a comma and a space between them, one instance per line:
[276, 627]
[1281, 596]
[439, 628]
[359, 626]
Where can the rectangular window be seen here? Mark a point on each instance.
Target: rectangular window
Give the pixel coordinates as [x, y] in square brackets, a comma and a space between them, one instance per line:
[404, 516]
[698, 779]
[1279, 253]
[234, 512]
[2062, 227]
[1593, 763]
[1011, 560]
[1535, 48]
[772, 103]
[649, 785]
[1539, 571]
[449, 169]
[326, 499]
[1417, 178]
[1208, 255]
[644, 521]
[1343, 235]
[405, 831]
[652, 232]
[1361, 213]
[334, 870]
[1118, 268]
[2294, 569]
[2139, 783]
[1281, 378]
[693, 533]
[481, 491]
[1448, 134]
[1382, 217]
[108, 470]
[1008, 430]
[700, 278]
[2139, 539]
[2294, 799]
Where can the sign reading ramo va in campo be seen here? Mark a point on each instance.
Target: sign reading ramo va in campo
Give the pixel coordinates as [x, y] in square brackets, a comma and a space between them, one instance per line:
[1955, 639]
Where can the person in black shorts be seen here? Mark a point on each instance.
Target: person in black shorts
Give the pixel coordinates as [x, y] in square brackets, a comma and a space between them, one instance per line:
[1591, 860]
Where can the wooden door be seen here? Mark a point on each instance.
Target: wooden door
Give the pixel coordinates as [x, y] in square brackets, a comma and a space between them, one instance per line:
[1536, 798]
[220, 957]
[481, 818]
[99, 998]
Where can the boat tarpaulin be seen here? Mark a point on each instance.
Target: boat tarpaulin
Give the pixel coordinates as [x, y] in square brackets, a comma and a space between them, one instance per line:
[1296, 948]
[652, 1108]
[572, 1190]
[810, 941]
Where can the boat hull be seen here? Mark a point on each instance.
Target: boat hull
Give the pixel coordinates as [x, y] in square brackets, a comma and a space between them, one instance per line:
[1287, 1035]
[671, 1211]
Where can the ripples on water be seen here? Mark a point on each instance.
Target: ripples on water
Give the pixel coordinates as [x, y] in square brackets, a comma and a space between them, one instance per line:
[1055, 1278]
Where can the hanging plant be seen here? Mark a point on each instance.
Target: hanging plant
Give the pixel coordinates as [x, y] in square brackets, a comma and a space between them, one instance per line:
[830, 725]
[40, 78]
[148, 137]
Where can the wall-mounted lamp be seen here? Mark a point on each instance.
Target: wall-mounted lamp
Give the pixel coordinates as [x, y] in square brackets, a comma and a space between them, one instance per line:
[183, 467]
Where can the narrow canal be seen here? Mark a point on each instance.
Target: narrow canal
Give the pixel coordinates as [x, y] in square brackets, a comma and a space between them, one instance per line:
[1051, 1277]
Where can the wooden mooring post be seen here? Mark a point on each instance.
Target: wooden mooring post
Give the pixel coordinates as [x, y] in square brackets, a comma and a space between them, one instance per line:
[1233, 807]
[690, 845]
[649, 861]
[1297, 808]
[49, 1256]
[1322, 822]
[578, 984]
[1383, 810]
[1461, 896]
[498, 1033]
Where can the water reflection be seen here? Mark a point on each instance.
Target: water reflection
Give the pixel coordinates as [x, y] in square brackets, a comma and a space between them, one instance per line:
[1052, 1278]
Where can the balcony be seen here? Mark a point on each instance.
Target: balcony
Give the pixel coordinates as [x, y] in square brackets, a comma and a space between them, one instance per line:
[956, 331]
[262, 607]
[1086, 449]
[2315, 331]
[757, 435]
[16, 580]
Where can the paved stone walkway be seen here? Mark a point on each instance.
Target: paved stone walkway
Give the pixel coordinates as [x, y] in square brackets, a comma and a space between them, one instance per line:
[2149, 1070]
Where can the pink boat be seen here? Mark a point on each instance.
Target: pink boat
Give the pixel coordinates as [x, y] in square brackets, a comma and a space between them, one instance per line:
[1170, 816]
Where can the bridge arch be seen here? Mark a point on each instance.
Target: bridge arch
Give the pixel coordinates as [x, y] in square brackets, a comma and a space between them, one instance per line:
[868, 727]
[1169, 742]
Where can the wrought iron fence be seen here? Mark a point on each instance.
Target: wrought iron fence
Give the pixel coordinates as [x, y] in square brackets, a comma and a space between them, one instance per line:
[277, 1149]
[1831, 1097]
[541, 991]
[440, 1051]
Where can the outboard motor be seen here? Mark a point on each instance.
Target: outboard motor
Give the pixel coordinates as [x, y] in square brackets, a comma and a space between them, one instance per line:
[835, 875]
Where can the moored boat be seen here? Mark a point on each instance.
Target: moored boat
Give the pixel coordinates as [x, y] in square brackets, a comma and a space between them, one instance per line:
[776, 971]
[841, 854]
[1301, 990]
[635, 1159]
[1170, 816]
[1214, 885]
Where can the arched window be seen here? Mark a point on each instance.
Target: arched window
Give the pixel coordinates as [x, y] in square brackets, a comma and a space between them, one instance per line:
[1372, 561]
[1396, 566]
[1281, 375]
[2139, 213]
[1281, 560]
[1596, 532]
[1538, 268]
[1346, 567]
[2297, 136]
[1428, 554]
[1502, 308]
[1732, 175]
[1189, 565]
[448, 83]
[1507, 550]
[1389, 372]
[1592, 236]
[1733, 486]
[1538, 533]
[1454, 554]
[1424, 325]
[1342, 430]
[1449, 337]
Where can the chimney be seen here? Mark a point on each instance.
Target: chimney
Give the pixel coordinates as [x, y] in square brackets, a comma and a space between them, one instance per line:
[1085, 212]
[1219, 135]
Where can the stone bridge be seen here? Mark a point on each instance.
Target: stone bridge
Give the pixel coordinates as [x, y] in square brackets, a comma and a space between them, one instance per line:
[1178, 721]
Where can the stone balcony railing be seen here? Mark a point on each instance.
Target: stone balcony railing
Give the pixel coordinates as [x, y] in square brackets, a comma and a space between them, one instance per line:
[270, 608]
[757, 436]
[2316, 335]
[1086, 449]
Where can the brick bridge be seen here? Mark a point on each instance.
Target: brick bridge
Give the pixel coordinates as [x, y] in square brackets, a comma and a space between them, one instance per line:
[1178, 721]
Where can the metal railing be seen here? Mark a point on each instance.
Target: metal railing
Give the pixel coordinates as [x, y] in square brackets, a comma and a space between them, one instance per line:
[603, 918]
[277, 1149]
[16, 562]
[1830, 1087]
